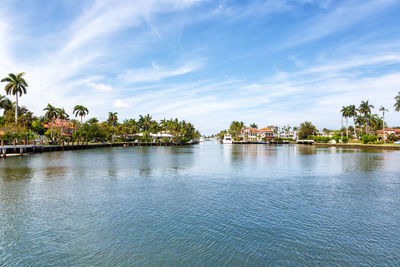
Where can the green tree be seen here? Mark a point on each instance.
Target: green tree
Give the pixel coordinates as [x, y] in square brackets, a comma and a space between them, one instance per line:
[112, 118]
[146, 121]
[38, 128]
[93, 120]
[397, 104]
[5, 103]
[352, 113]
[345, 114]
[61, 114]
[51, 114]
[80, 111]
[90, 131]
[383, 110]
[365, 109]
[16, 85]
[236, 128]
[253, 125]
[306, 129]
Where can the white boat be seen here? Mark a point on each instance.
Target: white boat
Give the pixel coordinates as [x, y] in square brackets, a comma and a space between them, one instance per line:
[202, 139]
[227, 139]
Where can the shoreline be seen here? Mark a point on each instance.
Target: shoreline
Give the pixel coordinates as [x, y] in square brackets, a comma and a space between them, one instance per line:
[350, 145]
[347, 145]
[21, 150]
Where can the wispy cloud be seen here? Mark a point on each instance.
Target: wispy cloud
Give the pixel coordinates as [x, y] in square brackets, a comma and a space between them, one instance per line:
[205, 61]
[338, 19]
[157, 73]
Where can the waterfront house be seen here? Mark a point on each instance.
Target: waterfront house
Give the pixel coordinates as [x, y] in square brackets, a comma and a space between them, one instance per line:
[389, 131]
[292, 135]
[256, 135]
[66, 127]
[157, 136]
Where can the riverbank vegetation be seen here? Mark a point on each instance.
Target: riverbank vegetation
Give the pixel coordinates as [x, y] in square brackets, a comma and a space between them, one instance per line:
[367, 128]
[18, 124]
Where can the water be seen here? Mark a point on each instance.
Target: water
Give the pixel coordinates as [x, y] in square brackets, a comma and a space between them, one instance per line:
[205, 205]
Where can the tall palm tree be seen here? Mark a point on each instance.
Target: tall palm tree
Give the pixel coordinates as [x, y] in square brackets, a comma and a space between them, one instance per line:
[145, 122]
[16, 85]
[383, 110]
[80, 111]
[345, 114]
[360, 120]
[112, 117]
[397, 104]
[352, 113]
[61, 114]
[365, 109]
[51, 114]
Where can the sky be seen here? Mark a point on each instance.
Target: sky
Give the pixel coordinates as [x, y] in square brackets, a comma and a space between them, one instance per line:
[277, 62]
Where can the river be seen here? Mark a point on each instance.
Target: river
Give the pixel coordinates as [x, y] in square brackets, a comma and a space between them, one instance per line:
[203, 205]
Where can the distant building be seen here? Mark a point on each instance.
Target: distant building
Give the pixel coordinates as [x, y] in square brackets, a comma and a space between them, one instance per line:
[156, 136]
[292, 135]
[256, 135]
[325, 134]
[67, 127]
[389, 131]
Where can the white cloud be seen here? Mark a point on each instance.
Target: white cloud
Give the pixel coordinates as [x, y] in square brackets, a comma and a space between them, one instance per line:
[157, 73]
[55, 71]
[101, 86]
[83, 64]
[338, 19]
[121, 104]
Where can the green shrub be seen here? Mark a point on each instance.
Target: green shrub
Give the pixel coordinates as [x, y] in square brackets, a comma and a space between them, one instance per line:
[345, 139]
[366, 139]
[336, 138]
[321, 139]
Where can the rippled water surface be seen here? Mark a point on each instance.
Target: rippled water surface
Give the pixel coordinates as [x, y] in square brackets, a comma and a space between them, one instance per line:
[203, 205]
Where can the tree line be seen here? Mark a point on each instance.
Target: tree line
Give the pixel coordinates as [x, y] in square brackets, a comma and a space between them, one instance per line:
[18, 123]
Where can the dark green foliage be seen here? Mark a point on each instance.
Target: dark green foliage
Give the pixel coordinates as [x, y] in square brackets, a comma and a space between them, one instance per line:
[90, 131]
[366, 139]
[322, 139]
[306, 129]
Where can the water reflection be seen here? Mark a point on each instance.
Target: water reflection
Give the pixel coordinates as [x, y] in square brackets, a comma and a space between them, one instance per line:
[16, 173]
[208, 204]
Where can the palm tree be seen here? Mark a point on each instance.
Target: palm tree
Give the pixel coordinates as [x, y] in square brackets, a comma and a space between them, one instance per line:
[360, 120]
[16, 85]
[61, 114]
[81, 111]
[75, 124]
[397, 104]
[253, 125]
[352, 112]
[51, 114]
[383, 109]
[112, 117]
[365, 109]
[145, 122]
[345, 114]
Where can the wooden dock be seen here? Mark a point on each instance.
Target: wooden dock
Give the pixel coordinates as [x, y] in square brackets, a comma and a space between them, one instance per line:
[20, 150]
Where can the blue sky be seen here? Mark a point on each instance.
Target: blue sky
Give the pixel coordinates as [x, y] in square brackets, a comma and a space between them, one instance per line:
[209, 62]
